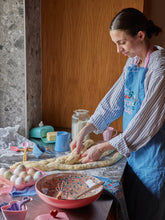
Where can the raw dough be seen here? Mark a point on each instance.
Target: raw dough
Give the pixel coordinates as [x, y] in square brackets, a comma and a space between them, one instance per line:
[72, 161]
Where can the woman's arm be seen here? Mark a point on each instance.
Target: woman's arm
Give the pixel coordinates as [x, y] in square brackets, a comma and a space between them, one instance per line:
[111, 106]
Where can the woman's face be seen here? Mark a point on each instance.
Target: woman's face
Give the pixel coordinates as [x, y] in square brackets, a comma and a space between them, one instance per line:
[126, 44]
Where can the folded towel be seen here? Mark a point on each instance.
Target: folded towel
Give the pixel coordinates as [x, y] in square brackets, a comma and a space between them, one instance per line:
[27, 191]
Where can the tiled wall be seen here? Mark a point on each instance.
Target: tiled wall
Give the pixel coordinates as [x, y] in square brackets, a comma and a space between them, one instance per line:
[20, 64]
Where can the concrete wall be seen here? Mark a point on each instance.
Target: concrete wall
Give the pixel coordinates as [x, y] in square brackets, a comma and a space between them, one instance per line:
[33, 63]
[20, 64]
[12, 64]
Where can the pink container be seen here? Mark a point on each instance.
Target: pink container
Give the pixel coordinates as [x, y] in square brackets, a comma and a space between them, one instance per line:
[109, 133]
[14, 215]
[5, 185]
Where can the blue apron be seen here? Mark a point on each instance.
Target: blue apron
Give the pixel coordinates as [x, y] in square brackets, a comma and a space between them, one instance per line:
[144, 177]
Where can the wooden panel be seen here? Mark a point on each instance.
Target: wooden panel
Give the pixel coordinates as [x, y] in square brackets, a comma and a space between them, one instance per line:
[79, 61]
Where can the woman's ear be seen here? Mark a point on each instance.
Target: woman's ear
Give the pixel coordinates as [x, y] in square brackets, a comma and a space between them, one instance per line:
[141, 35]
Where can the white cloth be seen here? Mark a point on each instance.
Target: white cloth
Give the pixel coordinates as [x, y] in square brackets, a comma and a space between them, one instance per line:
[9, 136]
[149, 118]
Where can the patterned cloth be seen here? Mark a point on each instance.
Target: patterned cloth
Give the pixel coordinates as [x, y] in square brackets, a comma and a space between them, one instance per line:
[114, 189]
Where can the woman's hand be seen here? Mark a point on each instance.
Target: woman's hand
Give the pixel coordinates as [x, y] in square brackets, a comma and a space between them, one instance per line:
[77, 143]
[78, 140]
[94, 153]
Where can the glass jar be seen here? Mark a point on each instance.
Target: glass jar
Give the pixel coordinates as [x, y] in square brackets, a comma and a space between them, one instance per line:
[79, 120]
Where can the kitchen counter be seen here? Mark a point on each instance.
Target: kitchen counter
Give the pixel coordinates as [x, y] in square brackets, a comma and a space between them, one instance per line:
[115, 171]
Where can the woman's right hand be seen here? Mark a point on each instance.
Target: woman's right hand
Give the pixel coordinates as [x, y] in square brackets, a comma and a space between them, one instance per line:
[77, 142]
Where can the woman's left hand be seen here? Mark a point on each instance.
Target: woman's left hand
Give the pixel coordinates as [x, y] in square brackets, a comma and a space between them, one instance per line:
[94, 153]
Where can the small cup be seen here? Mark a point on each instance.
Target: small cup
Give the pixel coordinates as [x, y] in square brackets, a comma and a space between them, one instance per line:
[62, 141]
[109, 133]
[14, 215]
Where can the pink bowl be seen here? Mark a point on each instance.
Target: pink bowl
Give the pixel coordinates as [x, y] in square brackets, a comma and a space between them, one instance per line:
[74, 183]
[14, 215]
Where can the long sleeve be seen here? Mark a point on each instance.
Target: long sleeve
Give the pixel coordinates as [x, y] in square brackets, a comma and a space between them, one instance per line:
[111, 106]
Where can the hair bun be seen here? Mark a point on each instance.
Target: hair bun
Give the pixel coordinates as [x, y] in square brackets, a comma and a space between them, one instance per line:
[152, 29]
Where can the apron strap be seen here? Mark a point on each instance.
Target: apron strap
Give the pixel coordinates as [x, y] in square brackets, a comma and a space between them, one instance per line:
[147, 57]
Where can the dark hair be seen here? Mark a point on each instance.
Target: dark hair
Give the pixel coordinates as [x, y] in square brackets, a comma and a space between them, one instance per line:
[132, 21]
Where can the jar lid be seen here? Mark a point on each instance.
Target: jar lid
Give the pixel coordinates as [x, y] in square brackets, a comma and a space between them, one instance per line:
[81, 111]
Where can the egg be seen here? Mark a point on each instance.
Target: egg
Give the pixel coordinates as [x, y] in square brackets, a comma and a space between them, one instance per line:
[23, 174]
[2, 170]
[19, 169]
[19, 181]
[31, 171]
[7, 174]
[28, 179]
[13, 178]
[37, 175]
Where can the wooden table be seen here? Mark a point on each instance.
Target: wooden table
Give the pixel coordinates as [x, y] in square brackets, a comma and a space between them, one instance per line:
[98, 210]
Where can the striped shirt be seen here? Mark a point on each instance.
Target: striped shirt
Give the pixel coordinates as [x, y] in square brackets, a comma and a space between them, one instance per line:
[151, 115]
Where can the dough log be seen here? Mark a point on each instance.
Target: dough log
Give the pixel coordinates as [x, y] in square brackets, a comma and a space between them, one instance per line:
[72, 161]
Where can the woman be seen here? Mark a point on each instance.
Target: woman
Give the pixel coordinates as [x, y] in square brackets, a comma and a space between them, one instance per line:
[138, 95]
